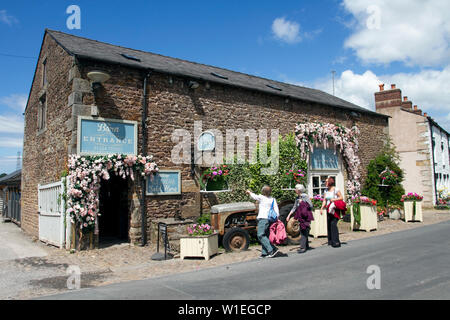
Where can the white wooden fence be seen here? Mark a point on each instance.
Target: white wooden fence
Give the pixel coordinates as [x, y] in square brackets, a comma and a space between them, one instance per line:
[51, 214]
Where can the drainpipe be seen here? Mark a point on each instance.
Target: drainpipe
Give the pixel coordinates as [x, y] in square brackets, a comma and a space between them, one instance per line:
[432, 159]
[144, 153]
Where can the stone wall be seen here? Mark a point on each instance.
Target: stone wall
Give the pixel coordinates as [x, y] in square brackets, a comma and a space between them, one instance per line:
[45, 151]
[171, 105]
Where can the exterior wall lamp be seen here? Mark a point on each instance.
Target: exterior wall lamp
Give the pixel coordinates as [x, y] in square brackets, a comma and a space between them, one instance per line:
[97, 78]
[193, 85]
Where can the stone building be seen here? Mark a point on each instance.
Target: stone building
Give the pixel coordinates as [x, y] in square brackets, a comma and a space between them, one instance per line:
[175, 93]
[423, 145]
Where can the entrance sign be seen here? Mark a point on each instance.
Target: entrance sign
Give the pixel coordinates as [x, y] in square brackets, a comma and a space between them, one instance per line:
[164, 182]
[206, 141]
[106, 136]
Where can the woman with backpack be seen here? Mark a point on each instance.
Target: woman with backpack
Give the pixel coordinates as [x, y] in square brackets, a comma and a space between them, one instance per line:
[267, 207]
[331, 196]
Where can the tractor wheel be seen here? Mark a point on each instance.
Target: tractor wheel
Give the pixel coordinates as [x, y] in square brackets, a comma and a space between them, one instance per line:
[236, 239]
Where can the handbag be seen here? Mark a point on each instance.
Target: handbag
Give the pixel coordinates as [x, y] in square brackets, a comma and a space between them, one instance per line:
[272, 216]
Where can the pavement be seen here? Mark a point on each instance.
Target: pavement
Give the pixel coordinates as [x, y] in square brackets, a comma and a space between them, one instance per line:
[413, 264]
[14, 244]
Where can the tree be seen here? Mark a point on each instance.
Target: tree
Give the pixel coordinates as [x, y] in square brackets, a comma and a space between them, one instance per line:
[388, 157]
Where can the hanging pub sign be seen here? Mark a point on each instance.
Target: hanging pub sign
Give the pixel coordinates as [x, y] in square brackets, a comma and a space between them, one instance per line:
[164, 182]
[106, 136]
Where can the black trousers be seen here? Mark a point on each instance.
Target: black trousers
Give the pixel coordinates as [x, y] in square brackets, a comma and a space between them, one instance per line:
[333, 232]
[304, 244]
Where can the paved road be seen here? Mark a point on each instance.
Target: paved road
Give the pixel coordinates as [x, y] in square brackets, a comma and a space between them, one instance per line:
[415, 264]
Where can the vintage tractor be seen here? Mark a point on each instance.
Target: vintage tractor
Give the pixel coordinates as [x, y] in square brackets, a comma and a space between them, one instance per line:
[235, 222]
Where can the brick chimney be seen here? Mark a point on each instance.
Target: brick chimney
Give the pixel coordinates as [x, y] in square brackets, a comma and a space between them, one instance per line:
[406, 103]
[388, 98]
[417, 111]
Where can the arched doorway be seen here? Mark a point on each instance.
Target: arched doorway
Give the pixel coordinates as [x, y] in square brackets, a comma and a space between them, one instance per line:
[113, 222]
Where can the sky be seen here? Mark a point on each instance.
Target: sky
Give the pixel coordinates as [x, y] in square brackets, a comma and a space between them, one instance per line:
[366, 42]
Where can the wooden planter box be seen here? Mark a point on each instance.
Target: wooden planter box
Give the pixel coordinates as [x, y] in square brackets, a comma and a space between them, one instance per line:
[199, 246]
[369, 219]
[408, 205]
[319, 224]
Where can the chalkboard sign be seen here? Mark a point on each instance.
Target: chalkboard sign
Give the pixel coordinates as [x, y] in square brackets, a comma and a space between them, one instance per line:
[164, 182]
[106, 136]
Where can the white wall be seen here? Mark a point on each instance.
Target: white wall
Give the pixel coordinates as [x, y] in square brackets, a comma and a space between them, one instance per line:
[441, 157]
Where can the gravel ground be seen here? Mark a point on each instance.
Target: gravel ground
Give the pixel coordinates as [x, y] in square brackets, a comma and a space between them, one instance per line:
[32, 277]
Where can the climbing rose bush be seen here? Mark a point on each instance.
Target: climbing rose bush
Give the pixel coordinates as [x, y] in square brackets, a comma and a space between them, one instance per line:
[85, 175]
[308, 135]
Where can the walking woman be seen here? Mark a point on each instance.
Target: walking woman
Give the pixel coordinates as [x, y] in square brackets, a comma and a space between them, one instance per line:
[331, 195]
[266, 202]
[303, 213]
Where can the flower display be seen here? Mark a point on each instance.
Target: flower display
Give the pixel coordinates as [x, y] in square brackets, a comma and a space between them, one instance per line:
[317, 201]
[199, 229]
[215, 174]
[308, 135]
[364, 200]
[388, 177]
[85, 175]
[299, 176]
[411, 197]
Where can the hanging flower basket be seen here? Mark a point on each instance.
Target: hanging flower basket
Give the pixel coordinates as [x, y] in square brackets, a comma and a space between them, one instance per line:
[215, 178]
[293, 177]
[216, 185]
[388, 177]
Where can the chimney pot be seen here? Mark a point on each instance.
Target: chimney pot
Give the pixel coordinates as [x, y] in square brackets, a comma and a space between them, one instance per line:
[381, 86]
[405, 98]
[415, 107]
[392, 86]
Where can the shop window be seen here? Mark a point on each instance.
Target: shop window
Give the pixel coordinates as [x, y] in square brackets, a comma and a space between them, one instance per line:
[324, 163]
[318, 183]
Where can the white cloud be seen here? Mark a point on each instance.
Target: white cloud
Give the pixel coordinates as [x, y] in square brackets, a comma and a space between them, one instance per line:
[5, 18]
[416, 32]
[427, 88]
[8, 142]
[15, 101]
[286, 31]
[11, 124]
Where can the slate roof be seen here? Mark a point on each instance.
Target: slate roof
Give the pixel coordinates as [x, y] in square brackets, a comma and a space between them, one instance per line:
[91, 49]
[12, 178]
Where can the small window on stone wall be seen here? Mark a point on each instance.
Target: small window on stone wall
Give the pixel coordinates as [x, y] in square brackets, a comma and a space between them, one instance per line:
[42, 113]
[44, 72]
